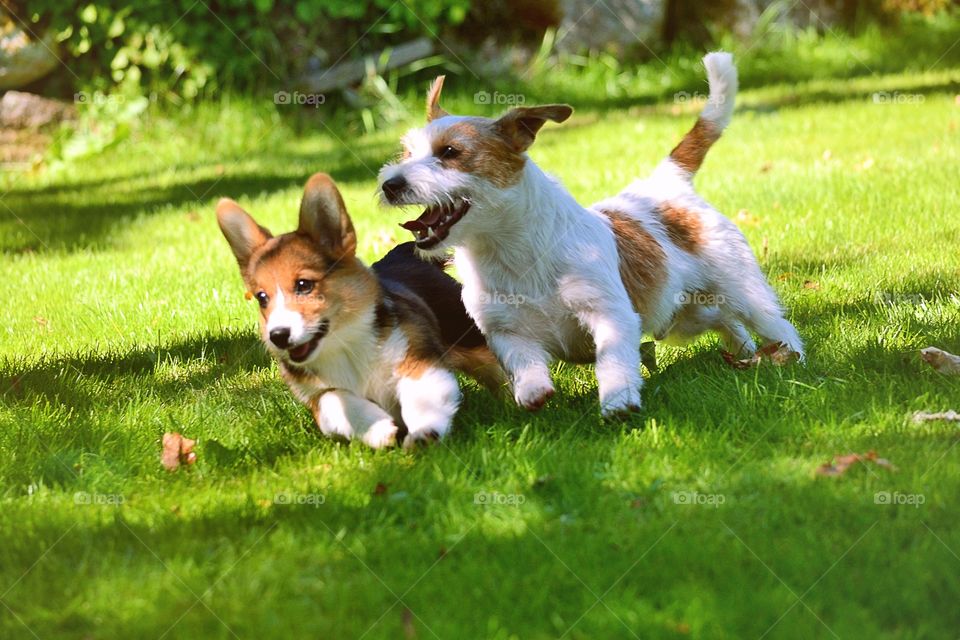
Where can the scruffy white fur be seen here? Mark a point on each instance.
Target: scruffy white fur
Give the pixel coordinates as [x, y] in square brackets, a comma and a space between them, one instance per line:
[532, 243]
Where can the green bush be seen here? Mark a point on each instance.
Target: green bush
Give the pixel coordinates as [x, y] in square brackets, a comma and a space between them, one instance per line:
[184, 48]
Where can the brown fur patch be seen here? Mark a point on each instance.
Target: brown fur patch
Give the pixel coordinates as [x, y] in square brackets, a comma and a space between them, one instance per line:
[482, 151]
[478, 363]
[691, 151]
[683, 226]
[642, 260]
[343, 288]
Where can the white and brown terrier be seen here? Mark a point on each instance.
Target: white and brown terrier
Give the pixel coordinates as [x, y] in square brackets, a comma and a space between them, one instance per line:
[580, 283]
[372, 351]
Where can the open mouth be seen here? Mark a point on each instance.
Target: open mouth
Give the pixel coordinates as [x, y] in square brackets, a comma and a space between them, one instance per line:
[435, 222]
[301, 352]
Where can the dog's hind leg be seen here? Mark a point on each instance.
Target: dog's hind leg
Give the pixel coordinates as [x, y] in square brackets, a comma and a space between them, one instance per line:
[735, 337]
[755, 303]
[694, 320]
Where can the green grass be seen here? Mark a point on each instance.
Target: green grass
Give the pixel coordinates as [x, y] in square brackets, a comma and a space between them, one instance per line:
[124, 318]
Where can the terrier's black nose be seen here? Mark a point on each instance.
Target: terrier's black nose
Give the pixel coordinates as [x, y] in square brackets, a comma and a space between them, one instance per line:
[280, 337]
[393, 187]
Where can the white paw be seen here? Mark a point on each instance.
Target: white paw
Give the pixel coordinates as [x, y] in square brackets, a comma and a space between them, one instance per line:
[621, 403]
[381, 434]
[533, 394]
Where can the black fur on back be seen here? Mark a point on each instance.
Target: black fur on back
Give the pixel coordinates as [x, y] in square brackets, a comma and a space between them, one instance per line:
[438, 290]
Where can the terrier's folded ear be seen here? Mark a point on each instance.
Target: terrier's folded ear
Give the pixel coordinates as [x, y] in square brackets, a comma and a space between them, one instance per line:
[242, 232]
[324, 218]
[520, 125]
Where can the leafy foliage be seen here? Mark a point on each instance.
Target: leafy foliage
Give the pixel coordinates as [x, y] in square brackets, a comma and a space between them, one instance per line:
[184, 48]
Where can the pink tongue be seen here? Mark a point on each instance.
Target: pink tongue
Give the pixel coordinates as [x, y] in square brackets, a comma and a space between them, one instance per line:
[427, 219]
[300, 351]
[413, 225]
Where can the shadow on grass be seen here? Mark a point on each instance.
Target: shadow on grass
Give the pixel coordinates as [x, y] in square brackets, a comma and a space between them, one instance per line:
[63, 380]
[83, 215]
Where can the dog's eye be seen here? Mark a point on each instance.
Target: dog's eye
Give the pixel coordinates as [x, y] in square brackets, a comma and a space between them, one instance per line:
[303, 287]
[447, 152]
[263, 299]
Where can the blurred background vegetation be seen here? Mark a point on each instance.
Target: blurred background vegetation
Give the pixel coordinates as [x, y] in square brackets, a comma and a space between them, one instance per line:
[113, 60]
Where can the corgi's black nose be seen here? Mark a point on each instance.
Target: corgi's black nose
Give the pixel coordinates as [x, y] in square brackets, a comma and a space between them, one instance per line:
[393, 187]
[280, 337]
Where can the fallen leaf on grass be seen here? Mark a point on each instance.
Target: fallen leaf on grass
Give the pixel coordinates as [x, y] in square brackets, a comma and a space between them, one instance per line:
[380, 489]
[177, 450]
[811, 284]
[941, 360]
[777, 353]
[840, 464]
[925, 416]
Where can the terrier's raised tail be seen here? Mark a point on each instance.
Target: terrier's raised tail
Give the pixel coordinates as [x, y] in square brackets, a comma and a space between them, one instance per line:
[722, 76]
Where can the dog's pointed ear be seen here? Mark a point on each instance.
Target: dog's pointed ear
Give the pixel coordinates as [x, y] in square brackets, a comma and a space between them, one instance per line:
[241, 231]
[324, 218]
[433, 100]
[520, 125]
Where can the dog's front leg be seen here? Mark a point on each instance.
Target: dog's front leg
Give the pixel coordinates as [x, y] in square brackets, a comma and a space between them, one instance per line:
[616, 334]
[343, 414]
[528, 366]
[428, 403]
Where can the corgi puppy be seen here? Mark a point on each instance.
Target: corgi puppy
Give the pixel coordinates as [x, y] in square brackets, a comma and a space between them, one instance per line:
[371, 351]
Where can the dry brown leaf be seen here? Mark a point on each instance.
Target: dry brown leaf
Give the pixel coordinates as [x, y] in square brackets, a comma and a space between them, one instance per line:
[380, 489]
[766, 167]
[925, 416]
[777, 353]
[840, 464]
[193, 216]
[811, 284]
[942, 361]
[785, 276]
[177, 450]
[42, 322]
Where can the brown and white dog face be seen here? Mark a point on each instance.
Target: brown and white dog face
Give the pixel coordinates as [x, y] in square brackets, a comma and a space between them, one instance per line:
[308, 283]
[458, 165]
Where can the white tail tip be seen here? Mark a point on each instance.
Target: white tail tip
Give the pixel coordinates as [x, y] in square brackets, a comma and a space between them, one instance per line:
[722, 76]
